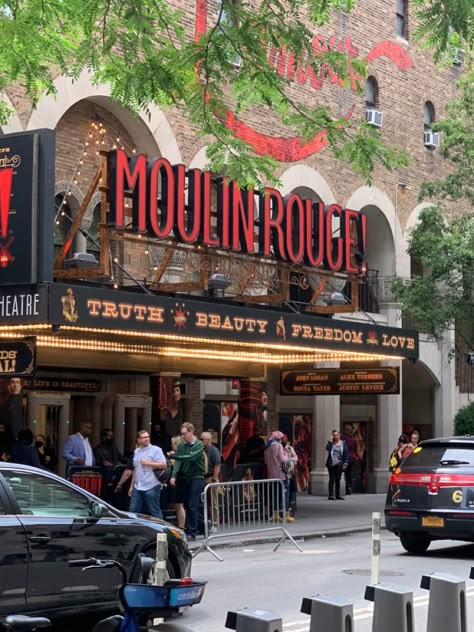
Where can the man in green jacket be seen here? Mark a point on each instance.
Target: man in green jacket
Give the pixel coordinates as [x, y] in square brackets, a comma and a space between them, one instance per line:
[189, 469]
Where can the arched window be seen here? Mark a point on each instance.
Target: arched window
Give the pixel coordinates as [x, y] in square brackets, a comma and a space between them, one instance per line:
[428, 115]
[372, 115]
[371, 92]
[430, 138]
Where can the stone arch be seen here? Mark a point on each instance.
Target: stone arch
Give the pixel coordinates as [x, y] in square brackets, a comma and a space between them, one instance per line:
[199, 160]
[420, 383]
[412, 220]
[384, 235]
[300, 177]
[152, 134]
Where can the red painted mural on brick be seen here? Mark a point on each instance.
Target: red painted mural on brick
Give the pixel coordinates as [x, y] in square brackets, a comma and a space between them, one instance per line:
[292, 149]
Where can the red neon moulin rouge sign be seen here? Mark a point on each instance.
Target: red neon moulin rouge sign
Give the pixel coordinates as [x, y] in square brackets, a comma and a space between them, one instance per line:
[293, 148]
[289, 228]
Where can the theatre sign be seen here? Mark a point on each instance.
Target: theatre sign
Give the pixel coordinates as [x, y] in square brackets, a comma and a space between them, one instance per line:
[170, 201]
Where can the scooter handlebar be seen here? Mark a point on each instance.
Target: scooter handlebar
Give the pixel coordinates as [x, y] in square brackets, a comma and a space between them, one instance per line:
[91, 561]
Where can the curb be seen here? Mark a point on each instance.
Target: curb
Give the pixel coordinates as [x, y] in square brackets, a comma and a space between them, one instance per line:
[301, 537]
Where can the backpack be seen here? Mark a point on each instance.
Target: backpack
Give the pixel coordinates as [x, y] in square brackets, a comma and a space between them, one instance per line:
[288, 467]
[164, 475]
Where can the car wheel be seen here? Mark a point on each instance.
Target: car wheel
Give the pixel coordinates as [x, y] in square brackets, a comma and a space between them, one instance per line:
[169, 567]
[416, 544]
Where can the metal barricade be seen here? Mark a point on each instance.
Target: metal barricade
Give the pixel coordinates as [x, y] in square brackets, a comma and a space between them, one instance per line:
[240, 507]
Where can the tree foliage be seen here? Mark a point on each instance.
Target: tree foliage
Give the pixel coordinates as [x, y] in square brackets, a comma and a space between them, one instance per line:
[443, 296]
[464, 420]
[145, 51]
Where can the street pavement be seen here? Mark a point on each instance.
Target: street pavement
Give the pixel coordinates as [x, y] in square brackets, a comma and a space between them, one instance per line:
[316, 517]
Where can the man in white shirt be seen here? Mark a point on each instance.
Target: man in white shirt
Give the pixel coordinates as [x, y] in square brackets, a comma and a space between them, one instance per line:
[145, 489]
[77, 448]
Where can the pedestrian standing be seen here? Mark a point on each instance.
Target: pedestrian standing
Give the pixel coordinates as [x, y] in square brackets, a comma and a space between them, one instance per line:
[336, 463]
[77, 448]
[351, 445]
[189, 468]
[46, 455]
[275, 457]
[145, 489]
[212, 476]
[398, 453]
[290, 470]
[23, 451]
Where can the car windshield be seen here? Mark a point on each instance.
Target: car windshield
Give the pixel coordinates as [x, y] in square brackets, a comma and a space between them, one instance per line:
[437, 455]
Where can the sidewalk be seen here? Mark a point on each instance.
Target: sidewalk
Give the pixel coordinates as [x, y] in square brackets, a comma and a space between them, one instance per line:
[316, 517]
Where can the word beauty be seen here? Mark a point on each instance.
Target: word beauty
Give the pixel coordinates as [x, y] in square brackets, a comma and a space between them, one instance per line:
[265, 224]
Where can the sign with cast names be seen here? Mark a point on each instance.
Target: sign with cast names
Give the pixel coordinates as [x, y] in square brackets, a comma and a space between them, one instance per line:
[379, 381]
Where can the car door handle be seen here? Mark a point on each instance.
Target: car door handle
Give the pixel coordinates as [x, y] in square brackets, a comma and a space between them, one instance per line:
[40, 539]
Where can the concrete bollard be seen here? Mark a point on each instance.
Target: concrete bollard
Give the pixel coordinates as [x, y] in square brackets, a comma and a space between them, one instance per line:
[250, 620]
[447, 606]
[328, 614]
[161, 574]
[393, 608]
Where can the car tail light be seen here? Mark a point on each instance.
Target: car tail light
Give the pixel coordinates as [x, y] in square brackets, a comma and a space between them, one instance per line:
[463, 515]
[411, 479]
[433, 481]
[398, 512]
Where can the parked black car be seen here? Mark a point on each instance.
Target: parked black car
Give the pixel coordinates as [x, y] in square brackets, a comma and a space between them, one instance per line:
[431, 495]
[46, 521]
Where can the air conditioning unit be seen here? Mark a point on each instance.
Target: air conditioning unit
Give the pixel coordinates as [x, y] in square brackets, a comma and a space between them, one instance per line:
[374, 117]
[458, 56]
[431, 139]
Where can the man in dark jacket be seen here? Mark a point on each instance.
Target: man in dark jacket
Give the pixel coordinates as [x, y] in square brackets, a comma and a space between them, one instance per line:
[336, 463]
[189, 469]
[23, 451]
[107, 456]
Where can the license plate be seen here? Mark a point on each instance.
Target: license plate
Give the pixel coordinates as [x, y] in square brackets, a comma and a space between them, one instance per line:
[432, 521]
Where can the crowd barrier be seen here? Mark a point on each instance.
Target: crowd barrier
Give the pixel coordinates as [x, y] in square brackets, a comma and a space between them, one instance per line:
[241, 507]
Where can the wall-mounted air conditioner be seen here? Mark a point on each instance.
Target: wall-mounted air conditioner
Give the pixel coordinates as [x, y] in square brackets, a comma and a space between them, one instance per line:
[431, 139]
[458, 56]
[374, 117]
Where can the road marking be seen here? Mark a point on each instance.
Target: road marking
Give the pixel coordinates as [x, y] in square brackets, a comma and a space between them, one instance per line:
[366, 612]
[310, 552]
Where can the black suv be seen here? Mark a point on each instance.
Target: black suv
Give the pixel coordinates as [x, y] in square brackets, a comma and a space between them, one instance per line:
[431, 495]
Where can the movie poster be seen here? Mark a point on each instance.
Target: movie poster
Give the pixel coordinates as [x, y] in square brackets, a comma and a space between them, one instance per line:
[170, 406]
[230, 437]
[244, 426]
[298, 429]
[357, 430]
[11, 403]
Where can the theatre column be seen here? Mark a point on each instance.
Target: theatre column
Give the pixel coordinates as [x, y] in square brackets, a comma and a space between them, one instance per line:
[389, 428]
[326, 417]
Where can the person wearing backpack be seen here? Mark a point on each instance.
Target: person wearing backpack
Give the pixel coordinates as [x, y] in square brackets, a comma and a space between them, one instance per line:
[336, 463]
[145, 489]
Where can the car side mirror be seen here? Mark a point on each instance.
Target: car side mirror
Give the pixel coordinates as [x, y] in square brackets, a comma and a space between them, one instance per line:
[96, 509]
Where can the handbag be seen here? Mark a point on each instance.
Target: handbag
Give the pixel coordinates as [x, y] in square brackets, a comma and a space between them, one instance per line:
[163, 475]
